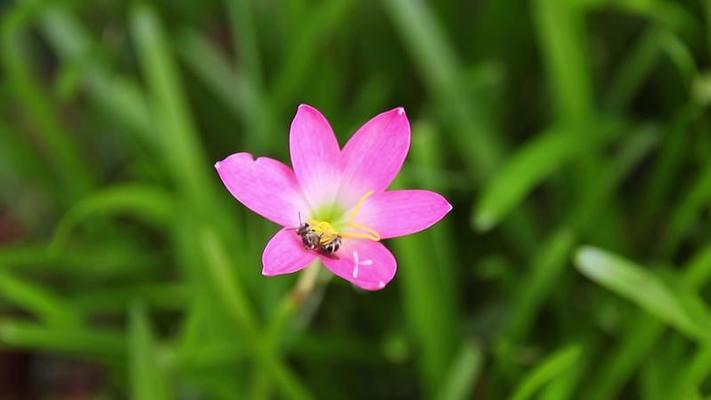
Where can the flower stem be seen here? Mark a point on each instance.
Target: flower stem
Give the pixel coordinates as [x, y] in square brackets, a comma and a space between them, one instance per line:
[305, 284]
[288, 306]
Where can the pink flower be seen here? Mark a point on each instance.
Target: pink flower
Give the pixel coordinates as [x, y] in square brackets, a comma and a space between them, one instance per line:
[336, 196]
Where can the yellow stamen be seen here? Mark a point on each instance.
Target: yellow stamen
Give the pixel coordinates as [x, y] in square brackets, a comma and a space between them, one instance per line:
[356, 235]
[328, 233]
[371, 233]
[358, 205]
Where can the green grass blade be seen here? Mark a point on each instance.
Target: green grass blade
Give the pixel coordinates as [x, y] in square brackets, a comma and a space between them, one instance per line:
[50, 308]
[236, 90]
[554, 365]
[642, 287]
[174, 127]
[680, 55]
[244, 38]
[633, 70]
[692, 376]
[564, 385]
[561, 34]
[642, 335]
[20, 161]
[91, 344]
[429, 319]
[698, 271]
[463, 373]
[209, 65]
[109, 259]
[64, 156]
[471, 129]
[441, 71]
[322, 21]
[146, 375]
[148, 203]
[235, 302]
[158, 296]
[684, 216]
[669, 164]
[225, 283]
[119, 96]
[544, 272]
[551, 258]
[531, 164]
[428, 154]
[206, 357]
[603, 187]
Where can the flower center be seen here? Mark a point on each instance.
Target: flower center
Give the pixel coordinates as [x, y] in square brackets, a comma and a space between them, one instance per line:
[327, 232]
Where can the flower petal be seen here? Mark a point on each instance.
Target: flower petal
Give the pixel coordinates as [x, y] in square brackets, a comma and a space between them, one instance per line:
[402, 212]
[285, 254]
[365, 263]
[315, 155]
[265, 186]
[373, 156]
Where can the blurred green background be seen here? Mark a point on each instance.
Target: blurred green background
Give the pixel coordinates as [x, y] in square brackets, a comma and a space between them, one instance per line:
[571, 137]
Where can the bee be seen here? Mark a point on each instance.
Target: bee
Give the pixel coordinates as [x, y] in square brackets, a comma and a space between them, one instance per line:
[309, 237]
[324, 242]
[329, 245]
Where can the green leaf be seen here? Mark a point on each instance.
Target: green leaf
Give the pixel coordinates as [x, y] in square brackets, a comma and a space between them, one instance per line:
[544, 272]
[698, 270]
[428, 313]
[86, 343]
[161, 296]
[562, 37]
[640, 286]
[435, 57]
[641, 335]
[685, 215]
[65, 157]
[148, 203]
[38, 300]
[633, 70]
[321, 22]
[554, 365]
[119, 96]
[244, 37]
[694, 373]
[531, 164]
[463, 373]
[147, 377]
[174, 126]
[236, 90]
[225, 284]
[234, 300]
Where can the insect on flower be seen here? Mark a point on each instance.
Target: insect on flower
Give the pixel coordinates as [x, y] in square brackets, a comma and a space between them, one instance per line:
[314, 238]
[341, 194]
